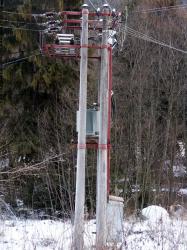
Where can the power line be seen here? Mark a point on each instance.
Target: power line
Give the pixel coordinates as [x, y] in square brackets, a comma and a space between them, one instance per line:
[167, 8]
[19, 60]
[30, 14]
[18, 13]
[92, 4]
[98, 2]
[5, 20]
[161, 9]
[150, 39]
[19, 28]
[145, 37]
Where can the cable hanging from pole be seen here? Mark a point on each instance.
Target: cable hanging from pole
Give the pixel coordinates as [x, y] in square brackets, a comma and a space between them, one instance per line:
[145, 37]
[19, 60]
[19, 22]
[92, 4]
[174, 7]
[19, 28]
[20, 13]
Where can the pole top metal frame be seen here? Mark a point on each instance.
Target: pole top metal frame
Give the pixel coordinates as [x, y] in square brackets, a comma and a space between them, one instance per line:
[106, 5]
[84, 6]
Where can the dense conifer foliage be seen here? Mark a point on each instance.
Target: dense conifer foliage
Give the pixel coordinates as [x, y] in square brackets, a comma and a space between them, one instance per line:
[38, 101]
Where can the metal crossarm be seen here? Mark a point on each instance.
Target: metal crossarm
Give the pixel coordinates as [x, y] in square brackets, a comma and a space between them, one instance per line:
[54, 50]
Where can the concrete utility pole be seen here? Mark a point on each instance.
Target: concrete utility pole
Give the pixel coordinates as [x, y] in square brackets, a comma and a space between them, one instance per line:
[78, 240]
[101, 226]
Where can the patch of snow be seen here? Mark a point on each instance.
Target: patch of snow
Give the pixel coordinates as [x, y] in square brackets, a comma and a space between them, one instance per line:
[181, 148]
[55, 235]
[6, 210]
[155, 214]
[4, 163]
[135, 188]
[142, 236]
[183, 191]
[179, 170]
[31, 235]
[19, 203]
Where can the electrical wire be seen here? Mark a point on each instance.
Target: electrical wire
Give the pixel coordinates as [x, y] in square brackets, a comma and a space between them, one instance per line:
[19, 28]
[92, 4]
[150, 39]
[18, 13]
[139, 11]
[154, 40]
[98, 2]
[5, 20]
[145, 37]
[174, 7]
[19, 60]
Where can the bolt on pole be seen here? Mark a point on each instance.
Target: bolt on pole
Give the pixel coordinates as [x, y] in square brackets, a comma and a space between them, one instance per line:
[101, 207]
[78, 236]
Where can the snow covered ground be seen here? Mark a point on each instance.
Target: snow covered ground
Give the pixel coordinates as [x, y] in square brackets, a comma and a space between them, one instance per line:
[183, 191]
[54, 235]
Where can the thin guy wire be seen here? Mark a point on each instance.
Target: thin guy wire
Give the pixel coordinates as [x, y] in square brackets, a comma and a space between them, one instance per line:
[18, 13]
[18, 28]
[4, 20]
[155, 41]
[139, 11]
[92, 4]
[19, 60]
[145, 37]
[161, 9]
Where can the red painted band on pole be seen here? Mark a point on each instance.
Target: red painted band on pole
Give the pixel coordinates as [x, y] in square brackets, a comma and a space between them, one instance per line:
[71, 13]
[104, 146]
[94, 46]
[80, 28]
[56, 46]
[71, 56]
[81, 146]
[88, 146]
[79, 21]
[99, 146]
[78, 13]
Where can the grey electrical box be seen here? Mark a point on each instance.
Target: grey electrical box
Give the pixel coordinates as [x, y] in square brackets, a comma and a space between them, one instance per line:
[92, 122]
[115, 219]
